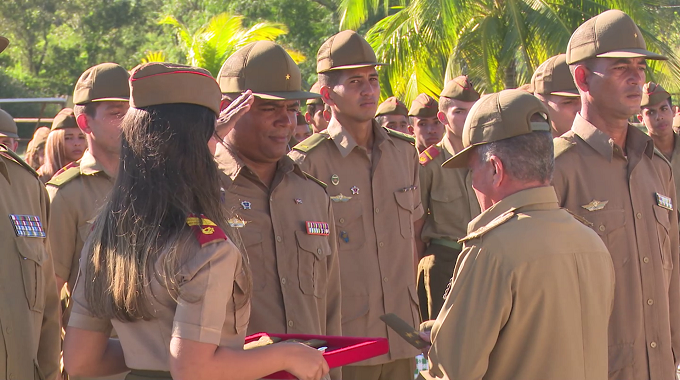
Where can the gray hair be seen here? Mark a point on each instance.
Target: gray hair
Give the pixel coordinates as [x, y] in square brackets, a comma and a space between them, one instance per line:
[526, 157]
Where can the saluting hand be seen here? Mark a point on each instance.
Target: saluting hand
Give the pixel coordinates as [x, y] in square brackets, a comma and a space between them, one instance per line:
[233, 112]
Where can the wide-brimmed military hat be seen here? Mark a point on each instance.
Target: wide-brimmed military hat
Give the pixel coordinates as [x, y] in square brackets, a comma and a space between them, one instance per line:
[316, 89]
[169, 83]
[8, 128]
[345, 50]
[460, 88]
[266, 69]
[553, 77]
[392, 106]
[652, 94]
[611, 34]
[499, 116]
[102, 83]
[4, 42]
[64, 119]
[424, 106]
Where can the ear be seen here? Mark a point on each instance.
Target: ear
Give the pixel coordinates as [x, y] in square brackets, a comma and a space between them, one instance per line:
[327, 115]
[499, 171]
[639, 117]
[15, 145]
[410, 129]
[442, 117]
[581, 78]
[308, 117]
[325, 92]
[83, 124]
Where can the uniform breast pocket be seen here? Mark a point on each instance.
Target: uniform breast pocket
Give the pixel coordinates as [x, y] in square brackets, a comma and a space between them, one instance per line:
[663, 228]
[241, 302]
[252, 240]
[446, 205]
[349, 225]
[405, 211]
[313, 253]
[31, 256]
[609, 225]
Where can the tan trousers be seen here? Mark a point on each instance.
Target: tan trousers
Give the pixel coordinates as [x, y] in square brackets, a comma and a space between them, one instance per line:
[402, 369]
[434, 274]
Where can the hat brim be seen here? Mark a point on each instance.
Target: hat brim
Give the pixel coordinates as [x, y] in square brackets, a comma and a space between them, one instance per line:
[460, 160]
[356, 66]
[632, 53]
[4, 42]
[110, 100]
[568, 94]
[314, 101]
[287, 95]
[10, 135]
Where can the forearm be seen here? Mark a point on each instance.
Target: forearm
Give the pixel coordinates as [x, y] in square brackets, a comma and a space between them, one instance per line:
[92, 354]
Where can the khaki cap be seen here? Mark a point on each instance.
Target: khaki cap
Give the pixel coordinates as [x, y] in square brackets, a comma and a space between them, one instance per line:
[64, 119]
[266, 69]
[499, 116]
[8, 128]
[424, 106]
[4, 42]
[553, 77]
[460, 88]
[611, 34]
[345, 50]
[392, 106]
[102, 83]
[316, 89]
[652, 94]
[157, 83]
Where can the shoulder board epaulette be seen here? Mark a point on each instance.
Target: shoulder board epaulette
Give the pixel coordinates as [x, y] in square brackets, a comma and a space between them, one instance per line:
[70, 165]
[562, 144]
[64, 177]
[320, 182]
[401, 136]
[10, 155]
[206, 230]
[493, 224]
[311, 142]
[581, 219]
[428, 155]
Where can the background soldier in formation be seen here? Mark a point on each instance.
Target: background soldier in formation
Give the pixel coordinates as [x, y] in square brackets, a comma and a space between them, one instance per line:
[553, 84]
[425, 125]
[393, 114]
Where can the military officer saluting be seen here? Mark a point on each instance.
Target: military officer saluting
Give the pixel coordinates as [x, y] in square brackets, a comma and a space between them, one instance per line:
[29, 304]
[606, 171]
[447, 196]
[283, 215]
[372, 176]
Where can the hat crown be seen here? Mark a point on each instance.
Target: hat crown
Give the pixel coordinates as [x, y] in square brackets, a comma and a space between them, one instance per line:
[392, 106]
[7, 125]
[64, 119]
[460, 88]
[424, 106]
[345, 50]
[652, 94]
[553, 77]
[106, 81]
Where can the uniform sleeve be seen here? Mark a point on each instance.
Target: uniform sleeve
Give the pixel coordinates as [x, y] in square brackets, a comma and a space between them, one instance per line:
[206, 286]
[418, 210]
[475, 311]
[674, 288]
[49, 345]
[81, 316]
[61, 237]
[425, 175]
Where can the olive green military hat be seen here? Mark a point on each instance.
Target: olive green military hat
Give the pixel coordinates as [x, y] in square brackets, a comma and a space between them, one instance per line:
[8, 128]
[316, 89]
[345, 50]
[424, 106]
[64, 119]
[460, 88]
[611, 34]
[553, 77]
[266, 69]
[652, 94]
[499, 116]
[102, 83]
[157, 83]
[392, 106]
[4, 42]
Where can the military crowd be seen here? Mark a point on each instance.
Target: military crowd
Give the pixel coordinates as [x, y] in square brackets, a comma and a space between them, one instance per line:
[526, 234]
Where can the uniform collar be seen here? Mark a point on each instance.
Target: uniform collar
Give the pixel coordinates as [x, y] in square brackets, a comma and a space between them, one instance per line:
[448, 149]
[4, 171]
[636, 140]
[90, 166]
[524, 198]
[346, 143]
[231, 164]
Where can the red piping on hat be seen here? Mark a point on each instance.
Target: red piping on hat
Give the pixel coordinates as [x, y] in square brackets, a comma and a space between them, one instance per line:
[173, 72]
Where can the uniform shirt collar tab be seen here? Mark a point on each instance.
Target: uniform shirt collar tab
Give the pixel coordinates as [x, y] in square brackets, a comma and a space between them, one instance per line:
[4, 171]
[89, 165]
[346, 143]
[638, 141]
[598, 140]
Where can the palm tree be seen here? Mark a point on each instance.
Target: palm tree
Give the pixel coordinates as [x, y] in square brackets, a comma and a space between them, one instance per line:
[222, 35]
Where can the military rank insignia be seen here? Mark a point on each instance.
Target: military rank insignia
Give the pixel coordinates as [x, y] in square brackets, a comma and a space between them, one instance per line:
[428, 155]
[664, 201]
[27, 226]
[206, 230]
[318, 228]
[595, 205]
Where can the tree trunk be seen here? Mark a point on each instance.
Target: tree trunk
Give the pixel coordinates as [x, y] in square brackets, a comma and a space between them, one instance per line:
[510, 71]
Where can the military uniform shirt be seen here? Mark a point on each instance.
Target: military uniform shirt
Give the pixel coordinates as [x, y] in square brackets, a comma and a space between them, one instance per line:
[376, 201]
[448, 197]
[530, 299]
[675, 164]
[296, 274]
[619, 194]
[29, 305]
[210, 306]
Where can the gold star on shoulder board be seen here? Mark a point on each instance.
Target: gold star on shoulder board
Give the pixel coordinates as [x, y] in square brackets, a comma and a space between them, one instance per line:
[595, 205]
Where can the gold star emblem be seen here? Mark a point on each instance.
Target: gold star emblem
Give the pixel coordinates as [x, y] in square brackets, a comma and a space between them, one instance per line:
[595, 205]
[635, 35]
[287, 76]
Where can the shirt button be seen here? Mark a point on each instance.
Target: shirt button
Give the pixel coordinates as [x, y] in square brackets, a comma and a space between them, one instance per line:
[645, 260]
[341, 220]
[650, 302]
[384, 279]
[377, 210]
[271, 199]
[283, 281]
[11, 376]
[381, 244]
[602, 227]
[290, 323]
[639, 215]
[319, 251]
[8, 330]
[653, 344]
[278, 238]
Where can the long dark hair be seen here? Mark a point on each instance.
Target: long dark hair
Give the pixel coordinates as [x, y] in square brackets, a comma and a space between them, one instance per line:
[166, 173]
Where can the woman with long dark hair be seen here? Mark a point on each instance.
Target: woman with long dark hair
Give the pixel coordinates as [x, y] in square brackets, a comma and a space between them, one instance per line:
[158, 265]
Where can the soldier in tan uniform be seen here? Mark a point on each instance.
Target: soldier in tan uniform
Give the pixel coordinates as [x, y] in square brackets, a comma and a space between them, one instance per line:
[533, 288]
[29, 304]
[317, 114]
[656, 113]
[8, 131]
[393, 114]
[607, 172]
[283, 215]
[553, 84]
[372, 176]
[302, 129]
[447, 198]
[425, 125]
[181, 303]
